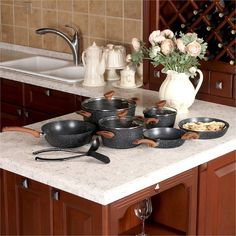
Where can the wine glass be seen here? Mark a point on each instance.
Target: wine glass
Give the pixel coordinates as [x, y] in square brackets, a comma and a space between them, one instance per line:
[143, 211]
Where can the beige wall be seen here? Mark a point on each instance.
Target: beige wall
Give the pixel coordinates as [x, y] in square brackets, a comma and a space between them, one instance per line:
[103, 21]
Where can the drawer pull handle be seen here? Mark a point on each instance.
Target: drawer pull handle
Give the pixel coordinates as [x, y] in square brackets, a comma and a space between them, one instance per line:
[26, 113]
[55, 195]
[47, 93]
[157, 187]
[219, 85]
[25, 183]
[19, 112]
[156, 74]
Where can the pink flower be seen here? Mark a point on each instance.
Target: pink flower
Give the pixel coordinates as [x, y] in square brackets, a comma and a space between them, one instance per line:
[167, 34]
[167, 46]
[193, 49]
[136, 44]
[156, 37]
[180, 45]
[155, 50]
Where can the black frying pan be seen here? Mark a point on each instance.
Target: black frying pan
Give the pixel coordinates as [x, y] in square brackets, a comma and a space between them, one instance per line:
[205, 134]
[63, 134]
[165, 137]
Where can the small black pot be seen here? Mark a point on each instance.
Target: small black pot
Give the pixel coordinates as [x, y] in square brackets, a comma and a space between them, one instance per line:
[120, 132]
[165, 115]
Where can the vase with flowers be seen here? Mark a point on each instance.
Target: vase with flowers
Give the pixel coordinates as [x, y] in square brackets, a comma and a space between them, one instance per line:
[179, 56]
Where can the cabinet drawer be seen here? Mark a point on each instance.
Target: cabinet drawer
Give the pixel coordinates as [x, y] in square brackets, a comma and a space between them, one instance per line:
[221, 84]
[11, 92]
[48, 100]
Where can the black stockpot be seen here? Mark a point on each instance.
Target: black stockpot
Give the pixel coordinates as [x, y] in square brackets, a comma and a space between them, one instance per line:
[165, 115]
[120, 132]
[94, 109]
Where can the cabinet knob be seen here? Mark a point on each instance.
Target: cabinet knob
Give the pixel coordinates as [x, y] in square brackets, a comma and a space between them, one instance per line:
[19, 112]
[55, 195]
[47, 93]
[157, 187]
[219, 85]
[25, 183]
[26, 113]
[156, 74]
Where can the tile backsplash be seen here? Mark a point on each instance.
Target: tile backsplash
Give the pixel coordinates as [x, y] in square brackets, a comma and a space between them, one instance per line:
[103, 21]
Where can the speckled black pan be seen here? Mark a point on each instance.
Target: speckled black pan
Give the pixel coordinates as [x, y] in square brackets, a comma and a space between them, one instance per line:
[205, 134]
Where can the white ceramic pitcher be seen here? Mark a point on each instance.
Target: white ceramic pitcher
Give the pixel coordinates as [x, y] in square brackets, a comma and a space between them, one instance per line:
[93, 59]
[178, 91]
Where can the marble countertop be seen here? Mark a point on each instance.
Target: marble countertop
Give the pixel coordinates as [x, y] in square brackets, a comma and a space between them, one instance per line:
[130, 170]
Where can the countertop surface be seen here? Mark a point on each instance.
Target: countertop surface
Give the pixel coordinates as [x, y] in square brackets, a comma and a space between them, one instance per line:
[130, 170]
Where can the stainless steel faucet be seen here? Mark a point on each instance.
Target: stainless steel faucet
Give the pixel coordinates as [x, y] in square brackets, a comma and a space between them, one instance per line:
[74, 43]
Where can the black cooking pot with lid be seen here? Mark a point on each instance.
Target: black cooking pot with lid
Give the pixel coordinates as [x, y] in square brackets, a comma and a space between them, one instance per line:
[119, 132]
[166, 115]
[94, 109]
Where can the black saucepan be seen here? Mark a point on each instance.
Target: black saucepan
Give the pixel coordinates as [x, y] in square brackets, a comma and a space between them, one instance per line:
[166, 115]
[94, 109]
[165, 137]
[121, 132]
[205, 134]
[63, 134]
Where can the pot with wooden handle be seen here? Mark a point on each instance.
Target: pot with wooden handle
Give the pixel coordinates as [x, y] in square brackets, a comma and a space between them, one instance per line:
[117, 132]
[165, 137]
[62, 134]
[94, 109]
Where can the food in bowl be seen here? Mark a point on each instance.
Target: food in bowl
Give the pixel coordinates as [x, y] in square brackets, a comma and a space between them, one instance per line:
[204, 126]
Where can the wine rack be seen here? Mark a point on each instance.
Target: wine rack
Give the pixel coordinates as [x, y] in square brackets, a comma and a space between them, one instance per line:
[214, 21]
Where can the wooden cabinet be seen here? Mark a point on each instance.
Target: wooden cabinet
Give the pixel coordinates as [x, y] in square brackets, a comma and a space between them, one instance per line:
[211, 20]
[2, 212]
[23, 104]
[217, 194]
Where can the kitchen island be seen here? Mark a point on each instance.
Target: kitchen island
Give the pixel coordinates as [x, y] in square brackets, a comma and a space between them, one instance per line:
[132, 173]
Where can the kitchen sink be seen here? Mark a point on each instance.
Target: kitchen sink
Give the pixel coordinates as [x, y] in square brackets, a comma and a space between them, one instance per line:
[52, 68]
[35, 64]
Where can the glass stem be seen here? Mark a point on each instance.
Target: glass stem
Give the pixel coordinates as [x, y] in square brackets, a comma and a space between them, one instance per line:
[143, 227]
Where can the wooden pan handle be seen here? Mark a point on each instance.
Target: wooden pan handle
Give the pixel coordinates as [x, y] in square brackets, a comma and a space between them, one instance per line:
[148, 142]
[160, 104]
[35, 133]
[105, 134]
[135, 99]
[190, 135]
[122, 114]
[151, 120]
[108, 95]
[84, 113]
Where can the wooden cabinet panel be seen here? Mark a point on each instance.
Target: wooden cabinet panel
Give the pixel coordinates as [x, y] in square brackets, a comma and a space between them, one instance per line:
[217, 194]
[77, 216]
[12, 92]
[48, 100]
[2, 210]
[221, 84]
[29, 206]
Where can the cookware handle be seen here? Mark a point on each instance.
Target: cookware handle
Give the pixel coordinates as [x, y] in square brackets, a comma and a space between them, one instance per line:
[151, 120]
[105, 134]
[122, 114]
[108, 95]
[199, 81]
[33, 132]
[148, 142]
[190, 135]
[84, 113]
[135, 99]
[99, 156]
[160, 104]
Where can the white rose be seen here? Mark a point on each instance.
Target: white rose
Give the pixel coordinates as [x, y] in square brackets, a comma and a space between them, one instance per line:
[136, 44]
[167, 46]
[193, 49]
[128, 58]
[180, 45]
[156, 37]
[193, 70]
[167, 34]
[155, 50]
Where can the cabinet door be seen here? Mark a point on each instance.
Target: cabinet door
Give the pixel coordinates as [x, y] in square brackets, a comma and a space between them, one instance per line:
[76, 216]
[29, 206]
[217, 196]
[2, 210]
[48, 100]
